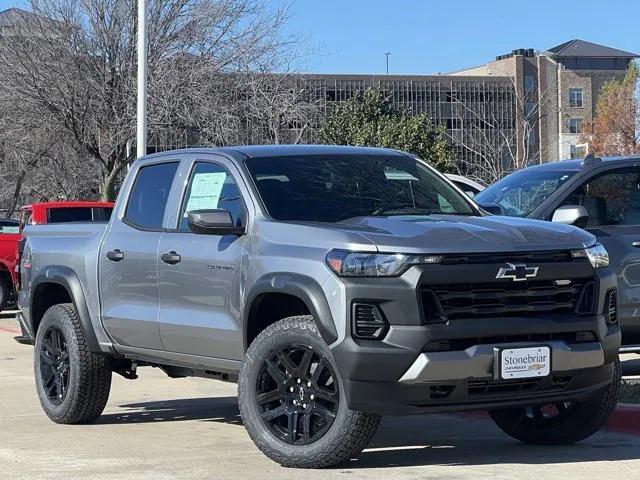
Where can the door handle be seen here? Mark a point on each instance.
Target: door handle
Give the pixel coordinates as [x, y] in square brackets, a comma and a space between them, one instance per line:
[115, 255]
[171, 258]
[636, 244]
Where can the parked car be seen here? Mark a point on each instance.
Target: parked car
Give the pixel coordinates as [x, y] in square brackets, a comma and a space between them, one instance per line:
[9, 236]
[468, 186]
[335, 284]
[601, 195]
[39, 214]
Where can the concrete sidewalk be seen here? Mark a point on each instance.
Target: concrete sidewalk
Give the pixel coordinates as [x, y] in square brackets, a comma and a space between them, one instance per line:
[159, 428]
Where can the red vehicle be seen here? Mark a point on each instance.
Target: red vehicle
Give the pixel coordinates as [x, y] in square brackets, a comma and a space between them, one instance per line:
[39, 214]
[9, 238]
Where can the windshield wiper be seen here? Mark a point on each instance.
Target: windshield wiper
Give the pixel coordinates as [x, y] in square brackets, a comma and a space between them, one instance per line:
[403, 209]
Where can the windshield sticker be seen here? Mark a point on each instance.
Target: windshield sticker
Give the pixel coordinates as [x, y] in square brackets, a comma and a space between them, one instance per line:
[399, 175]
[205, 191]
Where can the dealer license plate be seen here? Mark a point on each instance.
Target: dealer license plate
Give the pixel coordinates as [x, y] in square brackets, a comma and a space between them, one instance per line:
[530, 362]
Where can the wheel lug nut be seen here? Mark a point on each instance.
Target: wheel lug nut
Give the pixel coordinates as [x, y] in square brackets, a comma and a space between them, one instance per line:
[304, 405]
[309, 384]
[299, 381]
[291, 389]
[311, 397]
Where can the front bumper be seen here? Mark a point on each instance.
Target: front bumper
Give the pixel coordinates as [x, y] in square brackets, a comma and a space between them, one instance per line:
[401, 374]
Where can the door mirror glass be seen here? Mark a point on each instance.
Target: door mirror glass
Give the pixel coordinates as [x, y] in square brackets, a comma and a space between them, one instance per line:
[213, 222]
[576, 215]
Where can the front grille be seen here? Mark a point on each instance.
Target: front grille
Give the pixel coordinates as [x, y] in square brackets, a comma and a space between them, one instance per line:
[505, 299]
[459, 344]
[511, 257]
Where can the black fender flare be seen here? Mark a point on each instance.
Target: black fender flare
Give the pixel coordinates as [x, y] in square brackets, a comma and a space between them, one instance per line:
[300, 286]
[67, 278]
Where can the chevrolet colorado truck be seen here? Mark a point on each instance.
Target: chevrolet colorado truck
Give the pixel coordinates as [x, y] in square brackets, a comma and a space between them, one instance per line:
[334, 285]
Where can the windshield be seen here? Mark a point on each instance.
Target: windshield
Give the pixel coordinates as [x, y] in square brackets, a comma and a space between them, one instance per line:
[521, 192]
[332, 188]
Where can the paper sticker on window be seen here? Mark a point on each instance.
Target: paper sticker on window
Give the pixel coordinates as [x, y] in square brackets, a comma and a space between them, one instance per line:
[205, 191]
[399, 175]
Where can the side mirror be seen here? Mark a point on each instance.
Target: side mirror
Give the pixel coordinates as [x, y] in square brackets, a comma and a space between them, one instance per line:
[213, 222]
[492, 208]
[575, 215]
[470, 193]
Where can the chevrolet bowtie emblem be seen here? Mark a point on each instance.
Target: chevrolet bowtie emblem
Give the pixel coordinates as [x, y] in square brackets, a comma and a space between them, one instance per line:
[518, 272]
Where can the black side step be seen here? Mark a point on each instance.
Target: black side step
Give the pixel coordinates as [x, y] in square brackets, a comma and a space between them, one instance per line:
[24, 340]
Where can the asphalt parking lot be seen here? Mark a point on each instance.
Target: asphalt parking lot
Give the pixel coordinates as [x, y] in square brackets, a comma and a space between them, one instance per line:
[159, 428]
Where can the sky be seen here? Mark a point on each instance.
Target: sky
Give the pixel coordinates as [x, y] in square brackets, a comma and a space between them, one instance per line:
[428, 36]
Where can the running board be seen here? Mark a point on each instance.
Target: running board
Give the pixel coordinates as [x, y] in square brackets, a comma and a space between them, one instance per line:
[630, 349]
[23, 340]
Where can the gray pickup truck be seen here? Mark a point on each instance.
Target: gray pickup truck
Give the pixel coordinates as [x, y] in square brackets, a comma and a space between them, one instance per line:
[334, 284]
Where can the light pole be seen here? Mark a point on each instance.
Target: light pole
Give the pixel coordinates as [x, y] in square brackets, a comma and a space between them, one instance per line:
[387, 55]
[141, 118]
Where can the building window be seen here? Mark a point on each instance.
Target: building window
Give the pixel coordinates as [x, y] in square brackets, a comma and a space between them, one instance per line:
[529, 109]
[575, 97]
[529, 83]
[575, 125]
[578, 151]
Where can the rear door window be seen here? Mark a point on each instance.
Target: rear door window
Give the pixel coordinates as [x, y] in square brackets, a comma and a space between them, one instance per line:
[148, 199]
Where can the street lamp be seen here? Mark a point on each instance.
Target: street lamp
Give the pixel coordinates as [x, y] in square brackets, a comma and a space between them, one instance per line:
[141, 117]
[387, 55]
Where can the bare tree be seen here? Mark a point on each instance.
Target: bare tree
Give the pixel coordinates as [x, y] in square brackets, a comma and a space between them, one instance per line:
[75, 62]
[499, 127]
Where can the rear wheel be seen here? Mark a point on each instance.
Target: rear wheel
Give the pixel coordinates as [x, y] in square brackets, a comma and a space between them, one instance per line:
[73, 383]
[561, 423]
[292, 399]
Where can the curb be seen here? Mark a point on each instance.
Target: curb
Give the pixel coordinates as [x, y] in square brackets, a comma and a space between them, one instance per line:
[624, 419]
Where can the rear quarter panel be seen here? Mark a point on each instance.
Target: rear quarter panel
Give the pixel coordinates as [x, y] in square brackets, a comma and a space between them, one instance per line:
[71, 245]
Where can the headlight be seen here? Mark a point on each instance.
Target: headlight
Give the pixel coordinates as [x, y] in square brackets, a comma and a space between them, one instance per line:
[362, 264]
[597, 255]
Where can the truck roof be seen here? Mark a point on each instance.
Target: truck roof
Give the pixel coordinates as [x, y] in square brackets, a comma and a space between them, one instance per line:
[242, 152]
[582, 164]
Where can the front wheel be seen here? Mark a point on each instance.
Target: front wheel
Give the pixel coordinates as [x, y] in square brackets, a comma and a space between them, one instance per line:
[561, 423]
[292, 399]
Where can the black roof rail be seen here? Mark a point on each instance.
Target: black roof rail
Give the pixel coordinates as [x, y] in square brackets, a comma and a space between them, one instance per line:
[590, 159]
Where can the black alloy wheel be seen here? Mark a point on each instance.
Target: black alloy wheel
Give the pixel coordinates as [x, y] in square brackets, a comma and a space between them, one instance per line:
[54, 365]
[297, 394]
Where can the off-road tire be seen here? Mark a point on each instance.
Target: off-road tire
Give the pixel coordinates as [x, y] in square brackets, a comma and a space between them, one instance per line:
[351, 430]
[580, 421]
[89, 380]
